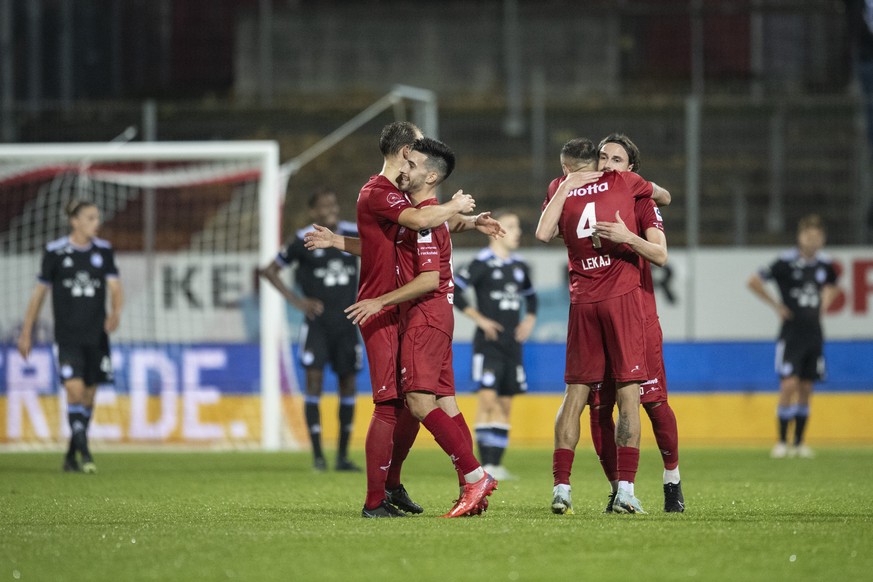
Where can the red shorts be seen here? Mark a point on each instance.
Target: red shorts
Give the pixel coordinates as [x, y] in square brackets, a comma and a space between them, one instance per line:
[652, 390]
[426, 361]
[606, 332]
[382, 343]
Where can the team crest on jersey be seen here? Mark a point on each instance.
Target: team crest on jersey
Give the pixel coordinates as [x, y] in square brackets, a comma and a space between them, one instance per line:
[394, 199]
[518, 274]
[425, 236]
[658, 214]
[82, 285]
[96, 260]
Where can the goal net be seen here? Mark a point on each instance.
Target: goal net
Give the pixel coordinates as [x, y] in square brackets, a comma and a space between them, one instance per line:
[190, 224]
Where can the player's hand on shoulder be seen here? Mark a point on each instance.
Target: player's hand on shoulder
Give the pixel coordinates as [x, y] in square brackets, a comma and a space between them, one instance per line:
[320, 237]
[579, 179]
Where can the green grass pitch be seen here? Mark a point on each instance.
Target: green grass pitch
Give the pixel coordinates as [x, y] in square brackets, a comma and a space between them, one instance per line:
[268, 516]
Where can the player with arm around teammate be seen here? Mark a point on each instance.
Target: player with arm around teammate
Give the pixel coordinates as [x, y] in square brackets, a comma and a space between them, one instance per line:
[328, 279]
[425, 295]
[807, 280]
[603, 336]
[505, 315]
[618, 153]
[381, 211]
[79, 269]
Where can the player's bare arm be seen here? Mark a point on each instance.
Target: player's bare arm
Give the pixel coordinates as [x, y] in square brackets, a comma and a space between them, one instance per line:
[116, 303]
[525, 328]
[653, 248]
[433, 216]
[547, 228]
[756, 285]
[661, 196]
[363, 310]
[483, 222]
[310, 307]
[829, 294]
[25, 343]
[321, 237]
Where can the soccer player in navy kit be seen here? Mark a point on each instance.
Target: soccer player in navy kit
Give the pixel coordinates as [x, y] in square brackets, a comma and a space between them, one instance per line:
[78, 269]
[328, 279]
[807, 281]
[501, 282]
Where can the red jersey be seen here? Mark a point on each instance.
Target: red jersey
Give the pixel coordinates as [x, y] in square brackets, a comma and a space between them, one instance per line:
[379, 206]
[648, 216]
[417, 252]
[613, 269]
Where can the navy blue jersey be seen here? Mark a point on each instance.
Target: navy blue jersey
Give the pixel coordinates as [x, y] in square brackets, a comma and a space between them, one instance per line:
[326, 274]
[502, 288]
[77, 276]
[800, 282]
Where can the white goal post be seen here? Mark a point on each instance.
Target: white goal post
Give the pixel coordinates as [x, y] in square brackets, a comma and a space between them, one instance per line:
[36, 180]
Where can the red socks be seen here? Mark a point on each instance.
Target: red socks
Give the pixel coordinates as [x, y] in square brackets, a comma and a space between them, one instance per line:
[404, 436]
[378, 448]
[666, 433]
[603, 437]
[452, 440]
[628, 461]
[465, 430]
[562, 463]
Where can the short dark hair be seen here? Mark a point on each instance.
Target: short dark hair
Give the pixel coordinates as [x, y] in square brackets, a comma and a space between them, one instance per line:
[633, 152]
[580, 148]
[395, 136]
[440, 157]
[318, 194]
[75, 205]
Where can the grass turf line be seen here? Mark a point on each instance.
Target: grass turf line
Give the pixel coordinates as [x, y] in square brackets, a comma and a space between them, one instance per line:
[268, 516]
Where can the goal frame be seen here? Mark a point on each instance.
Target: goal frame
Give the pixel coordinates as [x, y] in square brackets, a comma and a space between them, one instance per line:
[266, 155]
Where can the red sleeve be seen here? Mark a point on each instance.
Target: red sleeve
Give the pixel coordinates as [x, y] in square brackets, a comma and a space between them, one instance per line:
[648, 215]
[553, 187]
[639, 187]
[388, 203]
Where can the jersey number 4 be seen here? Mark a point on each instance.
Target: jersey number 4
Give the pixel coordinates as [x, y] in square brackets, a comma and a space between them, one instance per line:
[587, 220]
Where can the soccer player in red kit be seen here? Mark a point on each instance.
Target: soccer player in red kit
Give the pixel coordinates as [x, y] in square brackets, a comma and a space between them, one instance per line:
[425, 295]
[618, 153]
[381, 211]
[606, 317]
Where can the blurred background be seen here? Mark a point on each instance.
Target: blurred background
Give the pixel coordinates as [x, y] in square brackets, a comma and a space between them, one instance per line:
[750, 111]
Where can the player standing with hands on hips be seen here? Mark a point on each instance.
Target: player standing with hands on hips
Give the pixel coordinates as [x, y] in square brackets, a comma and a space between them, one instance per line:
[807, 286]
[78, 269]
